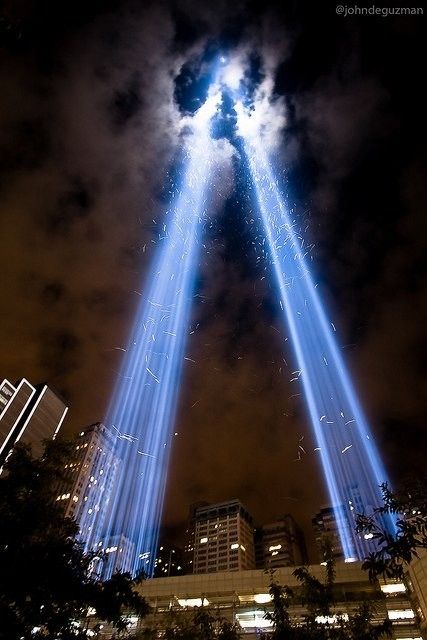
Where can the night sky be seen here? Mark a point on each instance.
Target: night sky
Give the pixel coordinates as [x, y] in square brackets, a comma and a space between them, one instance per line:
[92, 97]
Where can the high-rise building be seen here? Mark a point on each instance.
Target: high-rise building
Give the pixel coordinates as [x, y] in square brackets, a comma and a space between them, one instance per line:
[223, 538]
[29, 414]
[326, 524]
[190, 536]
[89, 479]
[117, 555]
[416, 583]
[280, 544]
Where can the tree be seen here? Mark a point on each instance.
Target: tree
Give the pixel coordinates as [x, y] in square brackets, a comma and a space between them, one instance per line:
[396, 550]
[202, 624]
[321, 621]
[46, 586]
[281, 598]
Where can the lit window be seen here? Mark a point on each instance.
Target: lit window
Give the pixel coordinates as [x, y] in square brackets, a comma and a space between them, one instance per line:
[193, 602]
[275, 547]
[203, 540]
[401, 614]
[235, 545]
[253, 620]
[393, 588]
[262, 598]
[331, 619]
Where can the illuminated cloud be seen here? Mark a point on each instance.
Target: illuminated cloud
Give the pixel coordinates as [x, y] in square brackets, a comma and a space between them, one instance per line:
[232, 69]
[265, 119]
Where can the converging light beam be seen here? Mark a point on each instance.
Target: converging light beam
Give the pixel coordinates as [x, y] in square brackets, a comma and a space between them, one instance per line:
[124, 528]
[352, 466]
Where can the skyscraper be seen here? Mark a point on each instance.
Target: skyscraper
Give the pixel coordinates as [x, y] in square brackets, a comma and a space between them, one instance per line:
[117, 555]
[280, 544]
[89, 478]
[190, 536]
[29, 414]
[326, 525]
[223, 538]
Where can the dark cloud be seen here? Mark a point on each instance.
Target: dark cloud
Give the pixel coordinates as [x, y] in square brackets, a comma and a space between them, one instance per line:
[25, 146]
[52, 292]
[71, 207]
[127, 102]
[59, 352]
[105, 302]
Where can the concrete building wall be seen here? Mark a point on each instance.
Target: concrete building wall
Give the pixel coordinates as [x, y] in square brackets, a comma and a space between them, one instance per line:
[417, 581]
[243, 597]
[280, 544]
[223, 538]
[90, 476]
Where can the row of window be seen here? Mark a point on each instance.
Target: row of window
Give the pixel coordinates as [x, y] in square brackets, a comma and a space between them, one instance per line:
[223, 554]
[217, 521]
[214, 540]
[202, 565]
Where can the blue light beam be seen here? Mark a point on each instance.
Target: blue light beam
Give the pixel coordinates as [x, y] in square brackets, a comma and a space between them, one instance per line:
[350, 460]
[143, 405]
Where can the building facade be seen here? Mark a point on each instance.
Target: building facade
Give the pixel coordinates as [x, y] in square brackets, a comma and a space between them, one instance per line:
[190, 533]
[326, 532]
[89, 478]
[116, 554]
[29, 414]
[243, 598]
[416, 583]
[223, 538]
[280, 544]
